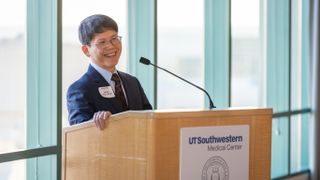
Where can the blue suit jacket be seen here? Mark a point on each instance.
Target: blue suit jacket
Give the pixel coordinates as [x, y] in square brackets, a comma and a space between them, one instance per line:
[84, 99]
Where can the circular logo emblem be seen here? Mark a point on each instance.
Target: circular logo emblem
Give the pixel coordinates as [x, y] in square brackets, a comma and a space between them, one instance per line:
[215, 168]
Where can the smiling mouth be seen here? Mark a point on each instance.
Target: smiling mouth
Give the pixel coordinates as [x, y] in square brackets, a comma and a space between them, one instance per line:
[110, 54]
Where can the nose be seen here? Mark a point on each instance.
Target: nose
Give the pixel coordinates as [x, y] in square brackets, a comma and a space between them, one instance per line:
[108, 45]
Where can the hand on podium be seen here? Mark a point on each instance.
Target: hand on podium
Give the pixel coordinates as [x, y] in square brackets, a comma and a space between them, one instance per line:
[100, 118]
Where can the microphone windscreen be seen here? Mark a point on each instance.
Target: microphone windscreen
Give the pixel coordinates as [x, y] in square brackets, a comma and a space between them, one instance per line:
[144, 60]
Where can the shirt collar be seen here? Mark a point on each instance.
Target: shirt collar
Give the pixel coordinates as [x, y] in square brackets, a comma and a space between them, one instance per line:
[104, 73]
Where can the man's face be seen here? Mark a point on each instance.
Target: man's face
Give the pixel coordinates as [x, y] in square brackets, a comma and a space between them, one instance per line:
[104, 50]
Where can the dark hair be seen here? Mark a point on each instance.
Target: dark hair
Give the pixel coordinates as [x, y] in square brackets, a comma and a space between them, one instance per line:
[91, 25]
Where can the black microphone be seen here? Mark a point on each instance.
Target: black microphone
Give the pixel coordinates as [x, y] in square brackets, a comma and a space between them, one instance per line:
[146, 61]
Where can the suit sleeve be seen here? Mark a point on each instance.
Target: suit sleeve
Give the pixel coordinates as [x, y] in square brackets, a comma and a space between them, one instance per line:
[79, 107]
[145, 102]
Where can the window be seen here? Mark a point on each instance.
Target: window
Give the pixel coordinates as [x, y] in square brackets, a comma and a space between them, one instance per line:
[13, 65]
[13, 89]
[299, 91]
[287, 85]
[29, 45]
[13, 170]
[269, 67]
[180, 50]
[247, 67]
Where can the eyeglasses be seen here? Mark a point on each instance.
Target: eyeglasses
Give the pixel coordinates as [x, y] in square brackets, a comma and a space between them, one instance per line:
[104, 43]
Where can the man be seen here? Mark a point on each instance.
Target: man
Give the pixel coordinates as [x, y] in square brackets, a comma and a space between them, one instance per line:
[103, 90]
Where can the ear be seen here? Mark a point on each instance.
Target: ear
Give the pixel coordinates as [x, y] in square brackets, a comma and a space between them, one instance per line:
[85, 50]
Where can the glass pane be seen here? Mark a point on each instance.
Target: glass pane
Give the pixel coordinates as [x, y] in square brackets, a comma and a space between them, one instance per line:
[280, 147]
[12, 75]
[75, 63]
[44, 167]
[296, 55]
[305, 121]
[180, 50]
[13, 170]
[299, 143]
[247, 65]
[299, 59]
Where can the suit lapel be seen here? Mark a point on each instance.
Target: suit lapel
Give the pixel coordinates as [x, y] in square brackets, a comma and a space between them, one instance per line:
[97, 77]
[99, 81]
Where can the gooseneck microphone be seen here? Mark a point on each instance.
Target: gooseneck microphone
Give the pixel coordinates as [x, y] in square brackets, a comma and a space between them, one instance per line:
[147, 62]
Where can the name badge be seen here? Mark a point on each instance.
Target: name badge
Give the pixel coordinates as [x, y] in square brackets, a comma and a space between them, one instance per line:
[106, 92]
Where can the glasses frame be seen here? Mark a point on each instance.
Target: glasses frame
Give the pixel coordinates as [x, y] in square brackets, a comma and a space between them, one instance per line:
[104, 43]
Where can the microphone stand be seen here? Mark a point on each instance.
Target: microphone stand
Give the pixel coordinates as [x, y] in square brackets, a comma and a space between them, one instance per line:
[147, 62]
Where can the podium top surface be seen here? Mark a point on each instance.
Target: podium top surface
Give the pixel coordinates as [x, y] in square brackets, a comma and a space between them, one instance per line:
[178, 113]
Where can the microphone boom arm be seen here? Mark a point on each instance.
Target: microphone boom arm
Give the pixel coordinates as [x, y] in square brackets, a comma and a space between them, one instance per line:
[210, 100]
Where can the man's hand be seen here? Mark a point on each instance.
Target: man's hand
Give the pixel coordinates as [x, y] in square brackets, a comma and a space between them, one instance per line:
[100, 118]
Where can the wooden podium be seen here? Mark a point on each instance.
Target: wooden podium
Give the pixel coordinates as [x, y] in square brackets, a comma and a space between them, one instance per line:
[145, 145]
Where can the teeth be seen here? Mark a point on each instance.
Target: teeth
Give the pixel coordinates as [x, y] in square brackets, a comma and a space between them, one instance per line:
[110, 54]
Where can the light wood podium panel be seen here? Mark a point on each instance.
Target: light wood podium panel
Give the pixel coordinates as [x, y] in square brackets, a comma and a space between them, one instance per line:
[145, 145]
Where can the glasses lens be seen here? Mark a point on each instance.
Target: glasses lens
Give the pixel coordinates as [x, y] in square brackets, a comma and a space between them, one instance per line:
[116, 40]
[113, 41]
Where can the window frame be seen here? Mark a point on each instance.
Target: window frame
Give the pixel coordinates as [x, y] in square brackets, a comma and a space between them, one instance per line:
[44, 107]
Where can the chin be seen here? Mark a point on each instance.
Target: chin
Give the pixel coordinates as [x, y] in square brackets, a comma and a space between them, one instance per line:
[111, 64]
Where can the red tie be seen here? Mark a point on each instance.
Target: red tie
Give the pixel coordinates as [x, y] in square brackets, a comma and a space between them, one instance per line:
[119, 92]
